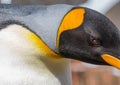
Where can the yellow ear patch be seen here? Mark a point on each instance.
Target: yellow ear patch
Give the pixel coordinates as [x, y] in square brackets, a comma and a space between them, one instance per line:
[71, 20]
[111, 60]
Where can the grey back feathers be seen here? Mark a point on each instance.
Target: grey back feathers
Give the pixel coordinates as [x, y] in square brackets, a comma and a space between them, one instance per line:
[46, 19]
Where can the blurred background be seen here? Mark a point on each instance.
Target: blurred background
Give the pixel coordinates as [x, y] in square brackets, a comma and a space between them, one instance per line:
[83, 73]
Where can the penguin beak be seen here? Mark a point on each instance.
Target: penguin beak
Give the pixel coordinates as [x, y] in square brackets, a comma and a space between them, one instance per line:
[111, 60]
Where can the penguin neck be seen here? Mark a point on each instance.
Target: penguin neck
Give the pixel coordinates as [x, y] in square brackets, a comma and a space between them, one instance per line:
[18, 58]
[48, 22]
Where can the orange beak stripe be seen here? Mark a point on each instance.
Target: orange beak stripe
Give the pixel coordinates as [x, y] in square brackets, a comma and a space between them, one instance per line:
[111, 60]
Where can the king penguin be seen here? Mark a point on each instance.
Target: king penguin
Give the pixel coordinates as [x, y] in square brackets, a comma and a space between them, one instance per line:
[37, 43]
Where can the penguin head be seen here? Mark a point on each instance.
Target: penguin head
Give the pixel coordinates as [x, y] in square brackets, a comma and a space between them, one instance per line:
[93, 39]
[83, 34]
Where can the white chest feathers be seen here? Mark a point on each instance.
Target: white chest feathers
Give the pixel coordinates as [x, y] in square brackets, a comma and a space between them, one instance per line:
[22, 63]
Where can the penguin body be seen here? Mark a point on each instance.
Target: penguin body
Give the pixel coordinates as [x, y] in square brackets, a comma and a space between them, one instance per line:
[35, 39]
[40, 70]
[23, 63]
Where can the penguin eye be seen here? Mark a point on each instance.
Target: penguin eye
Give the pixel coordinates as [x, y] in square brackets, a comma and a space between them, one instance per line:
[95, 41]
